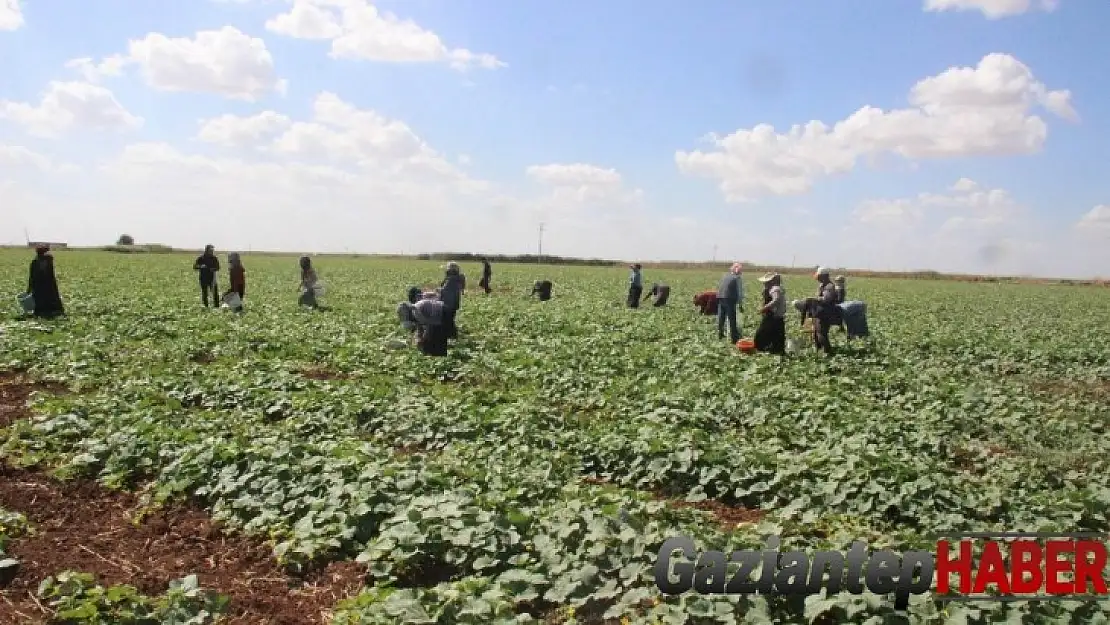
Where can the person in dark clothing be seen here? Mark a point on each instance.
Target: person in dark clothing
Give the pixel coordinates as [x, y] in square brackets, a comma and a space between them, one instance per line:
[207, 267]
[825, 313]
[660, 292]
[730, 295]
[487, 273]
[635, 286]
[431, 333]
[406, 311]
[450, 294]
[543, 289]
[42, 284]
[841, 289]
[706, 302]
[238, 279]
[309, 282]
[771, 335]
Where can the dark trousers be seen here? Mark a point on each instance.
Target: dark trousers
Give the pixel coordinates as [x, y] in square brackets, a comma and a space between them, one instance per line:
[634, 293]
[484, 284]
[771, 335]
[432, 340]
[450, 328]
[205, 289]
[821, 326]
[726, 311]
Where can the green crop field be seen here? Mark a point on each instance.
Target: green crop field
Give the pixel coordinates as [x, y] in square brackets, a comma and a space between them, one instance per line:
[535, 471]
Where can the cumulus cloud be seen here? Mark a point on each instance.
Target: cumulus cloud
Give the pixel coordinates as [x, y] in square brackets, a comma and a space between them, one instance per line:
[965, 111]
[578, 186]
[965, 204]
[360, 31]
[238, 131]
[11, 15]
[70, 106]
[992, 9]
[227, 62]
[1096, 220]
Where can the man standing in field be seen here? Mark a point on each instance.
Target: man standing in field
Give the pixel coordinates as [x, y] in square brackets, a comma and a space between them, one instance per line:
[730, 295]
[207, 267]
[635, 286]
[487, 273]
[825, 313]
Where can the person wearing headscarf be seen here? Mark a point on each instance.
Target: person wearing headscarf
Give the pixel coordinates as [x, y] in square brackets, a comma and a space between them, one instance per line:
[450, 293]
[431, 334]
[309, 281]
[487, 273]
[730, 296]
[825, 311]
[771, 335]
[406, 311]
[42, 284]
[543, 289]
[207, 267]
[706, 302]
[660, 292]
[840, 283]
[635, 286]
[237, 278]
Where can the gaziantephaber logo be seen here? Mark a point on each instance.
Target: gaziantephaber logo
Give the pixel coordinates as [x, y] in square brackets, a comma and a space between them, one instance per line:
[989, 567]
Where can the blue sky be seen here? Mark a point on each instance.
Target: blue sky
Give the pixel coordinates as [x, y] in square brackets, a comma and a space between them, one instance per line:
[590, 117]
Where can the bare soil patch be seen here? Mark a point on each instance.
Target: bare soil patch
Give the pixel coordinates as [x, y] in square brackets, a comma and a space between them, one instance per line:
[324, 373]
[728, 517]
[15, 391]
[81, 526]
[1060, 387]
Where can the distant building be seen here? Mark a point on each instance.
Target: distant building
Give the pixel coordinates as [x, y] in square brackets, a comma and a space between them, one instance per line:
[53, 246]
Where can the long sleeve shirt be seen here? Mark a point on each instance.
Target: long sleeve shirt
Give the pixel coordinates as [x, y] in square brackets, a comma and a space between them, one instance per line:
[636, 279]
[776, 302]
[238, 277]
[731, 289]
[207, 266]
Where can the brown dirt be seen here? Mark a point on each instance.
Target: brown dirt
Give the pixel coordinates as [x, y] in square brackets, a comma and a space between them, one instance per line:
[728, 517]
[15, 391]
[323, 373]
[81, 526]
[1094, 390]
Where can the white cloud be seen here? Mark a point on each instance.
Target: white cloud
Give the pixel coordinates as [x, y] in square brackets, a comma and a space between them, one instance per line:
[70, 106]
[227, 62]
[359, 30]
[235, 131]
[965, 111]
[12, 156]
[11, 15]
[966, 205]
[992, 9]
[577, 184]
[1096, 220]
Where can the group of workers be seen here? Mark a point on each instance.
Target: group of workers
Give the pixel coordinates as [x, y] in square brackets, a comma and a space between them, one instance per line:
[829, 309]
[431, 316]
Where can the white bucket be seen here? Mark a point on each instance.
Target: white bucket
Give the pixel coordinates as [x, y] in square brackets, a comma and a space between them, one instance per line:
[26, 302]
[232, 300]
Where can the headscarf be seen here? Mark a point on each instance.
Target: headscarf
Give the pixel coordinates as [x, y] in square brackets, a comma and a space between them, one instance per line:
[414, 294]
[306, 263]
[41, 250]
[452, 268]
[233, 259]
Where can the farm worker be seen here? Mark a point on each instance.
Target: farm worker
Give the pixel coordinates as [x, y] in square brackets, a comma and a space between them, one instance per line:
[825, 312]
[660, 292]
[406, 311]
[431, 334]
[635, 286]
[450, 293]
[706, 302]
[543, 288]
[42, 284]
[487, 273]
[841, 289]
[730, 294]
[207, 267]
[238, 279]
[771, 335]
[308, 283]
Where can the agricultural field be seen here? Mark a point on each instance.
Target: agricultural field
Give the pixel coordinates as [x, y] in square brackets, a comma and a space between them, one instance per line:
[287, 466]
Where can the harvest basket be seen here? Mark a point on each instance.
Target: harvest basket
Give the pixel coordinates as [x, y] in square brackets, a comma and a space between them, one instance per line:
[746, 346]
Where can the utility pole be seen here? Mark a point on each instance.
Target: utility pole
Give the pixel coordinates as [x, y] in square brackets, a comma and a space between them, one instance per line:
[541, 239]
[714, 252]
